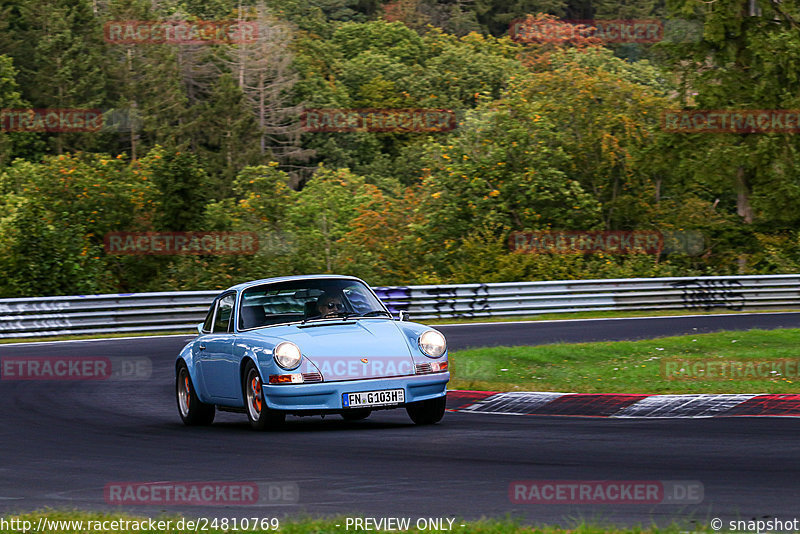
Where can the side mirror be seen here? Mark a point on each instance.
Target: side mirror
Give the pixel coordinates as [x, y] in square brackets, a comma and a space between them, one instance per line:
[403, 315]
[200, 328]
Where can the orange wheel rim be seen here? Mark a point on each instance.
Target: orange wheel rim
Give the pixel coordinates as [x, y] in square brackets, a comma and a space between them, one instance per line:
[255, 386]
[184, 395]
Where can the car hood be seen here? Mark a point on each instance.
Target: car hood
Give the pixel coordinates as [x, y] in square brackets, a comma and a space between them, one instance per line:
[349, 350]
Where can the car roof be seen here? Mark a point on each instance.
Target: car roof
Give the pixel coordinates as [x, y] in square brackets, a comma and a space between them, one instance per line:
[245, 285]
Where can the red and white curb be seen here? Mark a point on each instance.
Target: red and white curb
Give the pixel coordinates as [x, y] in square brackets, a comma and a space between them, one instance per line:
[624, 405]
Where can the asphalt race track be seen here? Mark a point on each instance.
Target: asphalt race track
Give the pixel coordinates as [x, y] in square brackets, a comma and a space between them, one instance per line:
[64, 442]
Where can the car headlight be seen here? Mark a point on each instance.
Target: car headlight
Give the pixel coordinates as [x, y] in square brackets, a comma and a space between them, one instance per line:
[432, 344]
[287, 355]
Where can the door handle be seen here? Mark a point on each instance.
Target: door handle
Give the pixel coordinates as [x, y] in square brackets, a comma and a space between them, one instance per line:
[202, 347]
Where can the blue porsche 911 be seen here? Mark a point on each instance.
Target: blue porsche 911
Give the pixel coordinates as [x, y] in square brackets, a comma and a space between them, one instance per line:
[309, 345]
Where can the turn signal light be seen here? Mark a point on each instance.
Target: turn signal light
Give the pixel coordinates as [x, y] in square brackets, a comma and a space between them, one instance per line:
[431, 367]
[294, 378]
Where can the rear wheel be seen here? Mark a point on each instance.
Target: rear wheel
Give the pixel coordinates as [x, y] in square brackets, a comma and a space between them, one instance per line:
[356, 415]
[261, 417]
[192, 411]
[427, 412]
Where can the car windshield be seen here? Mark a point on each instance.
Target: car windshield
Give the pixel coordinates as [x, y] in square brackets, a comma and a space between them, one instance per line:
[305, 300]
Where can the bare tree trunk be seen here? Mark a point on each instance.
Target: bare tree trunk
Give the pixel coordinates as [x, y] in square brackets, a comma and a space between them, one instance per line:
[59, 139]
[132, 114]
[242, 62]
[326, 235]
[262, 119]
[263, 70]
[657, 183]
[134, 107]
[743, 208]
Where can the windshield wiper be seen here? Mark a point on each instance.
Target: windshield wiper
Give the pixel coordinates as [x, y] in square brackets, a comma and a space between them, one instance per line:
[328, 319]
[373, 312]
[345, 316]
[370, 313]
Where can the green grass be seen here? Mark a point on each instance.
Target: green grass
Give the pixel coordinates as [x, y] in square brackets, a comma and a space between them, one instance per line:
[627, 366]
[337, 526]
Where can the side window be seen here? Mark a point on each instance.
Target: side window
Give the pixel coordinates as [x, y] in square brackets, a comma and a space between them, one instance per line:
[224, 312]
[209, 318]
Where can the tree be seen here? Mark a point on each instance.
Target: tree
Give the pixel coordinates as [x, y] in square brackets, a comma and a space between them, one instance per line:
[180, 189]
[608, 110]
[320, 17]
[263, 197]
[229, 140]
[747, 52]
[628, 9]
[387, 65]
[8, 14]
[496, 16]
[147, 88]
[263, 71]
[456, 17]
[61, 61]
[742, 62]
[501, 173]
[13, 144]
[462, 71]
[392, 39]
[383, 235]
[321, 217]
[54, 217]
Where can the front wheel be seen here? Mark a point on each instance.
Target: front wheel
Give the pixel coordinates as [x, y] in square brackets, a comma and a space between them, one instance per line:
[192, 411]
[260, 415]
[427, 412]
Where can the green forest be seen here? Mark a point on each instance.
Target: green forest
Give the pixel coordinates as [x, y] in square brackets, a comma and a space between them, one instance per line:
[550, 134]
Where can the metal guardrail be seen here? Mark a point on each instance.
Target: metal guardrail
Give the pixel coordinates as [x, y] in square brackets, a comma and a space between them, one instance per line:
[181, 311]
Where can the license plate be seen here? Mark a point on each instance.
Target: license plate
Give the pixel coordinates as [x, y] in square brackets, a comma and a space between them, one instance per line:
[384, 397]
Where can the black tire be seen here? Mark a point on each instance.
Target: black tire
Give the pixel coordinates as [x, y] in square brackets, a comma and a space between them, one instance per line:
[259, 415]
[427, 412]
[356, 415]
[192, 411]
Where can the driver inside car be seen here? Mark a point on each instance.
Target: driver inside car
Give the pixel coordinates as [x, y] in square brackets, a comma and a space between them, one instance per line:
[329, 305]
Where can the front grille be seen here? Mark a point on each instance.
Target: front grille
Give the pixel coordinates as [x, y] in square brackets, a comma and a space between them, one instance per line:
[423, 368]
[312, 377]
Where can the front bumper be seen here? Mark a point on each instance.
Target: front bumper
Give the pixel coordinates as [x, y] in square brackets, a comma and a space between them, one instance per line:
[327, 396]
